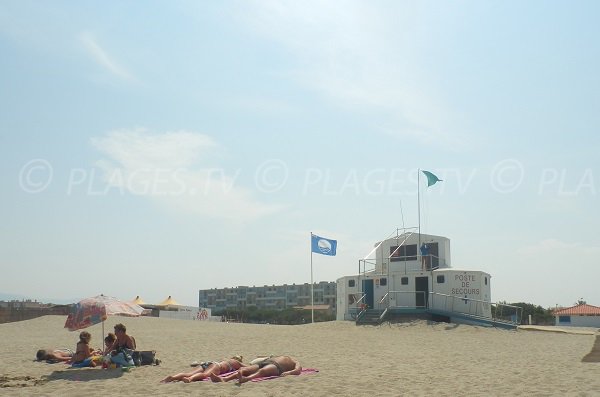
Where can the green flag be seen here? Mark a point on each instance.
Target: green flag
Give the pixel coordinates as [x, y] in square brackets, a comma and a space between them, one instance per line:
[431, 179]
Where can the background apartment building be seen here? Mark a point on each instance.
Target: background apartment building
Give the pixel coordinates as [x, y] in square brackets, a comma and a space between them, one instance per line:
[268, 297]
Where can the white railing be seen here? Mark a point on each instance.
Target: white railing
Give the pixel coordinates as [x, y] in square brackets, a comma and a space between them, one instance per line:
[359, 308]
[499, 312]
[397, 300]
[459, 304]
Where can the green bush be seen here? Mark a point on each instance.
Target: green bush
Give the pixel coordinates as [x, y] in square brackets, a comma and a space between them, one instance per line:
[539, 315]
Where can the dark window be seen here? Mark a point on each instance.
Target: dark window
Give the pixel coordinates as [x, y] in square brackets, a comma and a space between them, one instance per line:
[351, 283]
[440, 279]
[383, 281]
[485, 278]
[404, 281]
[564, 319]
[403, 253]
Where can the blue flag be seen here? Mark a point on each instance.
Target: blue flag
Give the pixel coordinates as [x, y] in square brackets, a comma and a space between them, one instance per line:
[431, 179]
[323, 246]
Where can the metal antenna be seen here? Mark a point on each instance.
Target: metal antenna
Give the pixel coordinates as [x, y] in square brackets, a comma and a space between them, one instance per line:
[402, 215]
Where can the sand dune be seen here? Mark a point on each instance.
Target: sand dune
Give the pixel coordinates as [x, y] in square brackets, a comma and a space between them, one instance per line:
[389, 360]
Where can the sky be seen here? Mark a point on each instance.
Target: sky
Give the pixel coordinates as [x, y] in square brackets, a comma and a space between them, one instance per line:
[158, 148]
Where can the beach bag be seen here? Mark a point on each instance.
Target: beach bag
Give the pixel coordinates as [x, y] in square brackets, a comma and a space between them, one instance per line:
[122, 356]
[146, 357]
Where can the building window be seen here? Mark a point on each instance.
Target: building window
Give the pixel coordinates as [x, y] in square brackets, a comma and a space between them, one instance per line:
[383, 282]
[351, 283]
[564, 319]
[440, 279]
[485, 279]
[404, 281]
[403, 253]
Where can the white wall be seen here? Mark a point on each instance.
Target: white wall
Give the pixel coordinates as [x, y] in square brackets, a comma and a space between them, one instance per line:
[383, 253]
[458, 284]
[581, 321]
[343, 290]
[186, 313]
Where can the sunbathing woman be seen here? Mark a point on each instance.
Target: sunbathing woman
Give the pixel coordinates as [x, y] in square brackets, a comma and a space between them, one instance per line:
[83, 353]
[206, 369]
[269, 366]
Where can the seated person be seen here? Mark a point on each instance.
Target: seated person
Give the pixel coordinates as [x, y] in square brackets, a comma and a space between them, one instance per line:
[206, 369]
[271, 366]
[83, 356]
[122, 349]
[54, 355]
[109, 340]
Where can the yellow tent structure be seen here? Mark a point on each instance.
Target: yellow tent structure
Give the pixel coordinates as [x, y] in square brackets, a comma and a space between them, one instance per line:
[169, 302]
[138, 301]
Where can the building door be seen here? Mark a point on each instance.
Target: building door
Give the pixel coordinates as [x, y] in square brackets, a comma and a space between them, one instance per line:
[422, 291]
[367, 286]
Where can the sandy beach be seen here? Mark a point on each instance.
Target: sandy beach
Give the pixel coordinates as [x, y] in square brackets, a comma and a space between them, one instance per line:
[413, 359]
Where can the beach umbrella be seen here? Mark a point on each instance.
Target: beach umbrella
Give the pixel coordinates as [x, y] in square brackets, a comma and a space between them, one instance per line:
[138, 301]
[169, 302]
[94, 310]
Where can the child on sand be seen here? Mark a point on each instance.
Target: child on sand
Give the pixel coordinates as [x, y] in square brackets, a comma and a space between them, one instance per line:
[109, 342]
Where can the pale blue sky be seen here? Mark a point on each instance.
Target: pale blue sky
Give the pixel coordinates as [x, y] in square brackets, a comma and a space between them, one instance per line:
[158, 148]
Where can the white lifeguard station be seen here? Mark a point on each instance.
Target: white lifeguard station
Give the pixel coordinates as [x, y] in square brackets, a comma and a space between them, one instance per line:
[399, 279]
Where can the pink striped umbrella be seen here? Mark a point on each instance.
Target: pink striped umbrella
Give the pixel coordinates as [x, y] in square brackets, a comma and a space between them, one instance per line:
[91, 311]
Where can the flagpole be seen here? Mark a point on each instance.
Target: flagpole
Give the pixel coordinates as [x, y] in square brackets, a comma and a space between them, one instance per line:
[419, 205]
[312, 293]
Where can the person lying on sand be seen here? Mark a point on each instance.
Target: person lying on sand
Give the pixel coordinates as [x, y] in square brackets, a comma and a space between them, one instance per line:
[272, 366]
[207, 369]
[54, 355]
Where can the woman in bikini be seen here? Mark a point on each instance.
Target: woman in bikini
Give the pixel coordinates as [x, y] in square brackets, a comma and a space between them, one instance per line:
[83, 352]
[269, 366]
[206, 369]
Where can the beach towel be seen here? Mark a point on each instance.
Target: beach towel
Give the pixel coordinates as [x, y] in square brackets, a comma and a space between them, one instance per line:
[85, 363]
[594, 355]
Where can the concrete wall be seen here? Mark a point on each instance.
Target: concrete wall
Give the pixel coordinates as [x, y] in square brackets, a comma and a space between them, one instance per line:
[8, 315]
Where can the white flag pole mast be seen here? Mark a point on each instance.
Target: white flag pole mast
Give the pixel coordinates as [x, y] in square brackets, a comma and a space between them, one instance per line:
[312, 293]
[419, 205]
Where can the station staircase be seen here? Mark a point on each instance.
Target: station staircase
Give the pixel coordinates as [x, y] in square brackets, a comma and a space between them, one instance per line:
[370, 317]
